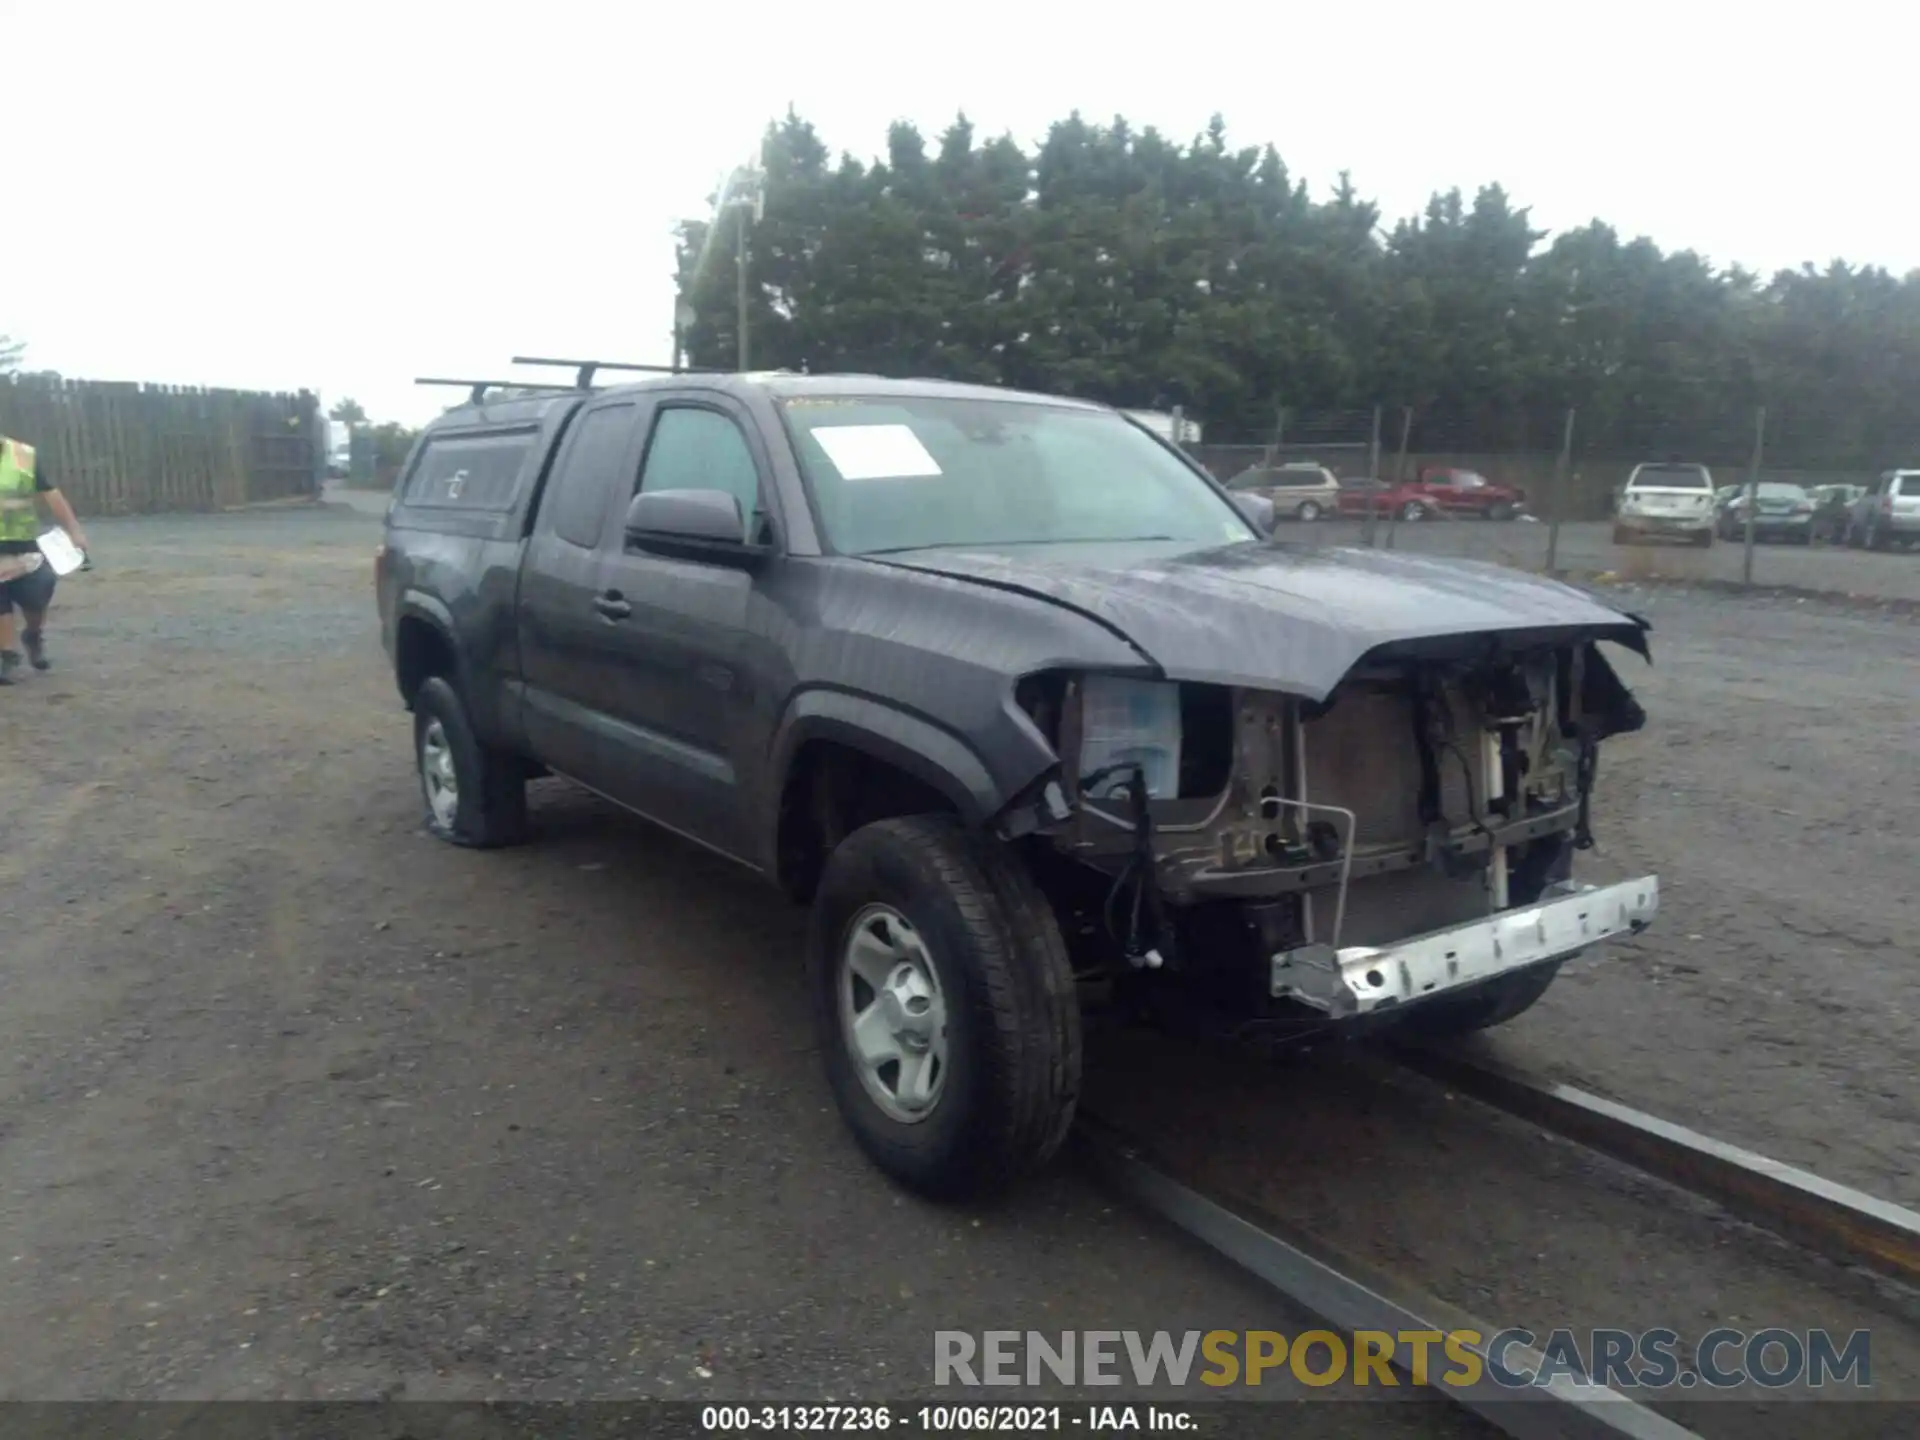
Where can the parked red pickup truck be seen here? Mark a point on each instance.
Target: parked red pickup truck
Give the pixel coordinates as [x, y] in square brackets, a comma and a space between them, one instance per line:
[1435, 490]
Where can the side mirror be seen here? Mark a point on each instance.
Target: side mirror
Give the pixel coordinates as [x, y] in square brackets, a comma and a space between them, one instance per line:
[1258, 509]
[693, 525]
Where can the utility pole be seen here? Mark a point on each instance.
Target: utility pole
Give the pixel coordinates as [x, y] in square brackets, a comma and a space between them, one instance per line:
[1373, 448]
[1561, 468]
[1753, 490]
[746, 193]
[1279, 433]
[740, 291]
[683, 318]
[1399, 474]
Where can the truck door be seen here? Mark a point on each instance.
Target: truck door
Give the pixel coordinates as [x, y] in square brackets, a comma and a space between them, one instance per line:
[562, 633]
[673, 687]
[1441, 490]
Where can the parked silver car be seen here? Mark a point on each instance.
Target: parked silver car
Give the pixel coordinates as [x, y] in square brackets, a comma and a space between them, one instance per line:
[1832, 510]
[1783, 512]
[1299, 489]
[1888, 514]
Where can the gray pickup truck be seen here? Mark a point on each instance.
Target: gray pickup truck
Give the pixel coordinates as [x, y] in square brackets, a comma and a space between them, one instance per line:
[1025, 706]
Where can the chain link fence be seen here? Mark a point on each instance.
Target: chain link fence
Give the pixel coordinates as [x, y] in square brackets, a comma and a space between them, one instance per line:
[1549, 499]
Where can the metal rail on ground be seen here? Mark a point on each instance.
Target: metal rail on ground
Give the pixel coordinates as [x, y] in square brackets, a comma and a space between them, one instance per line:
[1833, 1219]
[1346, 1296]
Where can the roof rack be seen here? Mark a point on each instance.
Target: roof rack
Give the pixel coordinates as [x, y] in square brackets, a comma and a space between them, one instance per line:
[479, 388]
[583, 378]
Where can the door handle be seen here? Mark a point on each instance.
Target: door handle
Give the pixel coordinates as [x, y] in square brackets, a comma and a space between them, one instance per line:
[612, 606]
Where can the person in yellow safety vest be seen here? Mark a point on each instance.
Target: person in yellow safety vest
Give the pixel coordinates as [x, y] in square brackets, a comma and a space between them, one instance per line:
[24, 481]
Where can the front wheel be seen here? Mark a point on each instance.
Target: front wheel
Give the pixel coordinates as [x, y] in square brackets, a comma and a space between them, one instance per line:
[1494, 1003]
[1309, 510]
[475, 795]
[1413, 510]
[945, 1006]
[1502, 511]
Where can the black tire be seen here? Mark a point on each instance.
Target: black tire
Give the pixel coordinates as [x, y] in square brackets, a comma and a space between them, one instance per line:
[1494, 1003]
[1876, 539]
[1704, 540]
[1622, 535]
[490, 806]
[1501, 511]
[1413, 510]
[1309, 510]
[1012, 1079]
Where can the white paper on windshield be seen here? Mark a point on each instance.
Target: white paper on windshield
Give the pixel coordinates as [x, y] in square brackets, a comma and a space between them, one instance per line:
[62, 554]
[875, 452]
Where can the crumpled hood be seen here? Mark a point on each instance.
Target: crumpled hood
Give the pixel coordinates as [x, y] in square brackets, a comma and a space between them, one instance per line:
[1274, 616]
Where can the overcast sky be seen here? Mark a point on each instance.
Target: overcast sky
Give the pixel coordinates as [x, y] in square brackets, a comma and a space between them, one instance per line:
[341, 196]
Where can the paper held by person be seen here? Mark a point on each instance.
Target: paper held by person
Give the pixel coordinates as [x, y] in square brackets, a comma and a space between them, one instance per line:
[62, 554]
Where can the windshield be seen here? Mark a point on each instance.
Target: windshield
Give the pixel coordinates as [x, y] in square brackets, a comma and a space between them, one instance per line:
[909, 473]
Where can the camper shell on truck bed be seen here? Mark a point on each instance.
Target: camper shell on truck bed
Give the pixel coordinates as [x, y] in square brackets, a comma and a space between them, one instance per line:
[1024, 705]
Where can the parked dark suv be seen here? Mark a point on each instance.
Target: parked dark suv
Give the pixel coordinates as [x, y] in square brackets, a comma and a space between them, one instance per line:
[1024, 706]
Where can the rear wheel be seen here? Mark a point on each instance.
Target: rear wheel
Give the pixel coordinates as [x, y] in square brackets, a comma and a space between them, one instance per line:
[1309, 510]
[475, 795]
[1622, 535]
[1413, 510]
[1494, 1003]
[945, 1006]
[1704, 540]
[1501, 511]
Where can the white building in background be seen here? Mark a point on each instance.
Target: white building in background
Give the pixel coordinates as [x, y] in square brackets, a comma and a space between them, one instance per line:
[339, 447]
[1161, 424]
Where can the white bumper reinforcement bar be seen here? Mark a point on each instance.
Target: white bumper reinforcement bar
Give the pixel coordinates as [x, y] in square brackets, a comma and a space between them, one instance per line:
[1359, 979]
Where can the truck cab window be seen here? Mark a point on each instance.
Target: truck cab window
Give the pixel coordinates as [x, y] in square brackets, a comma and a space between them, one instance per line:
[470, 472]
[695, 449]
[589, 473]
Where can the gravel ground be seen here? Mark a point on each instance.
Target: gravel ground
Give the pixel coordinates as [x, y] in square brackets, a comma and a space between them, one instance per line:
[299, 1103]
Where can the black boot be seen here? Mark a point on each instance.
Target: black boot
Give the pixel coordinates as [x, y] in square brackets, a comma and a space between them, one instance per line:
[9, 662]
[36, 644]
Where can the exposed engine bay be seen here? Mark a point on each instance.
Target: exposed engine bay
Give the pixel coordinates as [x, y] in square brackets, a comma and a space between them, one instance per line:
[1411, 834]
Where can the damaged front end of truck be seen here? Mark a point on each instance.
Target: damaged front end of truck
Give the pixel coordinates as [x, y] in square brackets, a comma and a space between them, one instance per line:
[1386, 840]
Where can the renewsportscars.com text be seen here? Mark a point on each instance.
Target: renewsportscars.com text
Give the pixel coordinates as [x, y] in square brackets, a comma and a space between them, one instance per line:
[1773, 1358]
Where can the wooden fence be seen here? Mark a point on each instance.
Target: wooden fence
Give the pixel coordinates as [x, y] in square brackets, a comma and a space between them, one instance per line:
[120, 449]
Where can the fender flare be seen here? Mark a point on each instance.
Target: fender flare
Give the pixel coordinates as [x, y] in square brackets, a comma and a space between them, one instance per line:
[887, 733]
[420, 606]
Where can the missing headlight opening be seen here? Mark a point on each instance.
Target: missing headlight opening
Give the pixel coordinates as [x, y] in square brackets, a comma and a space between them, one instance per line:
[1252, 844]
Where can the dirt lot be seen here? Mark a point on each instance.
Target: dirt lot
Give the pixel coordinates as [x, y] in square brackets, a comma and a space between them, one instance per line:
[297, 1102]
